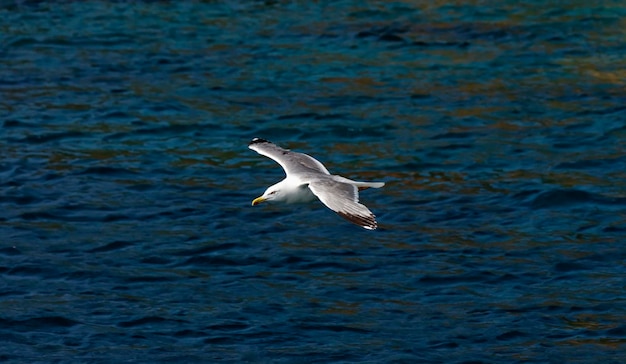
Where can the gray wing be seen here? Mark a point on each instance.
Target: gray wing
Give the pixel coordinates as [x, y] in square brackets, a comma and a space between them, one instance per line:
[292, 162]
[343, 198]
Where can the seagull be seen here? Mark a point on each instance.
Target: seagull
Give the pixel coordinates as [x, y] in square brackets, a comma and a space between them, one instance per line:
[307, 180]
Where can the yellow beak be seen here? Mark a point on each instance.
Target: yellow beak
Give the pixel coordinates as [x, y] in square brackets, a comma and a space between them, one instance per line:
[258, 200]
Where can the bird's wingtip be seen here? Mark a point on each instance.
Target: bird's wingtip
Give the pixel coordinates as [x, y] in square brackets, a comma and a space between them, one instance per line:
[258, 141]
[365, 221]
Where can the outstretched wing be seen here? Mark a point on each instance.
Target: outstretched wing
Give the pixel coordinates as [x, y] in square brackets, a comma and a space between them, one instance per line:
[343, 198]
[292, 162]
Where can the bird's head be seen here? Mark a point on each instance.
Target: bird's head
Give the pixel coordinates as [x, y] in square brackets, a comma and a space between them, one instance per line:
[273, 193]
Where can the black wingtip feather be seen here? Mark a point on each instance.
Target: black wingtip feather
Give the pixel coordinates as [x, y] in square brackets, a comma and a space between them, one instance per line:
[367, 222]
[258, 141]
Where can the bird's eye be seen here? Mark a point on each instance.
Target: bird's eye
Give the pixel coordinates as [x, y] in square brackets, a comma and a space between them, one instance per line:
[273, 192]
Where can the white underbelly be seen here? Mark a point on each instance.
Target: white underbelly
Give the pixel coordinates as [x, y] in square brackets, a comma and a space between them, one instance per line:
[301, 195]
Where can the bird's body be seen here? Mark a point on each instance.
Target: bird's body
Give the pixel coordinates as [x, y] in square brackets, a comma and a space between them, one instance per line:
[307, 179]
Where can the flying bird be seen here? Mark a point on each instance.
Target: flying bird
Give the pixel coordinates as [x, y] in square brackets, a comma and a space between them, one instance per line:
[307, 179]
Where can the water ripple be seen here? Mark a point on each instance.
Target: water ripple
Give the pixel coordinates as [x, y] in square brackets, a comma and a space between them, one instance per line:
[126, 182]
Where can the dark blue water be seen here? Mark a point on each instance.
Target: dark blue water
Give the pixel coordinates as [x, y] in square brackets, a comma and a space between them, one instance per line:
[126, 231]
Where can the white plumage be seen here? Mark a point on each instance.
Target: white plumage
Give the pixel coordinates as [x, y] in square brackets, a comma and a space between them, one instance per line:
[307, 179]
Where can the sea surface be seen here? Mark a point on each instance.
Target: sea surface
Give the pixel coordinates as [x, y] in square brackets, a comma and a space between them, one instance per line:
[126, 230]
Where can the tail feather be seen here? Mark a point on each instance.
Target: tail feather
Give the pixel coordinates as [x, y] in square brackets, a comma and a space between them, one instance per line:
[365, 185]
[373, 184]
[360, 184]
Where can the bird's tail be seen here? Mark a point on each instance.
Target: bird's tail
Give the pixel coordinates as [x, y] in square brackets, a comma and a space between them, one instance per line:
[365, 185]
[361, 185]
